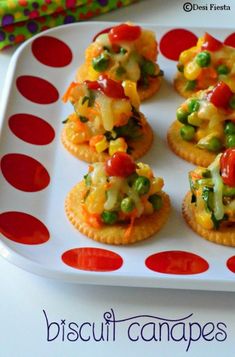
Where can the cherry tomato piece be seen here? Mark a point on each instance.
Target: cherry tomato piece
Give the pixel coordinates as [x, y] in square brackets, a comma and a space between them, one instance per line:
[124, 32]
[120, 164]
[211, 43]
[101, 33]
[220, 95]
[107, 86]
[111, 88]
[227, 167]
[92, 85]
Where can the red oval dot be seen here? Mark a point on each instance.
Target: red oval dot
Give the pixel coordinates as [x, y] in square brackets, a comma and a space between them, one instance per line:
[37, 90]
[176, 262]
[51, 51]
[24, 173]
[230, 40]
[23, 228]
[31, 129]
[231, 264]
[92, 259]
[176, 41]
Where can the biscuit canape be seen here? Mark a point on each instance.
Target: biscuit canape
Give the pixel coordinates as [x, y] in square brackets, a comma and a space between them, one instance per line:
[205, 125]
[209, 208]
[118, 202]
[106, 119]
[124, 52]
[204, 65]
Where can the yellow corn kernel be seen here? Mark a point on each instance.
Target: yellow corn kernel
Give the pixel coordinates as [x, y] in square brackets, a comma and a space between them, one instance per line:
[131, 92]
[192, 70]
[204, 219]
[144, 170]
[156, 185]
[102, 145]
[148, 208]
[186, 56]
[193, 119]
[117, 145]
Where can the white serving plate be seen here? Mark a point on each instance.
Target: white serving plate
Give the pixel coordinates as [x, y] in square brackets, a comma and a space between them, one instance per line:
[65, 170]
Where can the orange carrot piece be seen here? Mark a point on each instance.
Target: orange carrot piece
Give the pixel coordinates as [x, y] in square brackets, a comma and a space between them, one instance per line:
[68, 91]
[95, 139]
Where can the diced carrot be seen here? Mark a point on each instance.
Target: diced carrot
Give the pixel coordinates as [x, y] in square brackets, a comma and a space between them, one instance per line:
[95, 139]
[92, 219]
[68, 91]
[206, 76]
[129, 230]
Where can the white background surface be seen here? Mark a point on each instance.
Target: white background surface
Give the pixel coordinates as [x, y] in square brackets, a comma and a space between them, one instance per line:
[23, 296]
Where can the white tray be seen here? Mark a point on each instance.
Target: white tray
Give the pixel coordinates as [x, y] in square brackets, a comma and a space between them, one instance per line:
[65, 170]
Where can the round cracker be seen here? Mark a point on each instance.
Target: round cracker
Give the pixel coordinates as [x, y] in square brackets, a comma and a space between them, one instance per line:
[154, 86]
[187, 150]
[86, 153]
[144, 227]
[224, 235]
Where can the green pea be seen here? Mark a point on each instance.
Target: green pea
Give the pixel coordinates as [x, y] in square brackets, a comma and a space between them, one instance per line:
[142, 185]
[109, 217]
[230, 141]
[193, 105]
[203, 59]
[127, 205]
[190, 85]
[148, 67]
[232, 102]
[229, 128]
[182, 115]
[156, 201]
[222, 69]
[187, 132]
[100, 63]
[214, 144]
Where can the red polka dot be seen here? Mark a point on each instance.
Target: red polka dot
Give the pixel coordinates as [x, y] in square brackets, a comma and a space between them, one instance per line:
[92, 259]
[37, 90]
[176, 41]
[51, 51]
[176, 262]
[230, 40]
[23, 228]
[231, 264]
[31, 129]
[24, 173]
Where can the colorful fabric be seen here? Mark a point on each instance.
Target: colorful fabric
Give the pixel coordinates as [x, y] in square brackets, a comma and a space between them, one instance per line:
[21, 19]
